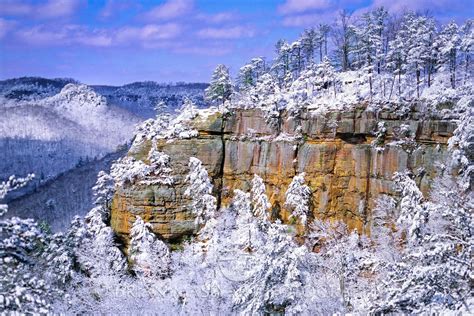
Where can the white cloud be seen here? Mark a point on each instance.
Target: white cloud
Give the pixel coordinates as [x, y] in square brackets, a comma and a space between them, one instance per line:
[146, 36]
[299, 6]
[147, 33]
[57, 8]
[46, 10]
[5, 27]
[226, 33]
[112, 7]
[11, 7]
[40, 35]
[217, 18]
[170, 9]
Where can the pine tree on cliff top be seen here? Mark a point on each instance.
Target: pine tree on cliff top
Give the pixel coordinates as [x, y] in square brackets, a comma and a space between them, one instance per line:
[220, 87]
[199, 190]
[298, 198]
[149, 255]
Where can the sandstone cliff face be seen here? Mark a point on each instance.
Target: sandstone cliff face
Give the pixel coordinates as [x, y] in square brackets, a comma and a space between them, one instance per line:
[345, 171]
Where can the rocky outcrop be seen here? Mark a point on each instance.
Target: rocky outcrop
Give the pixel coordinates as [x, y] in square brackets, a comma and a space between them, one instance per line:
[344, 167]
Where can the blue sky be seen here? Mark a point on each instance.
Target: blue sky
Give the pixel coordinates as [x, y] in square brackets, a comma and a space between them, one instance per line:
[121, 41]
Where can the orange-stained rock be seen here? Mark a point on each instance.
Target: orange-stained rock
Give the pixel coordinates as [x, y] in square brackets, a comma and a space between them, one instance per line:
[345, 172]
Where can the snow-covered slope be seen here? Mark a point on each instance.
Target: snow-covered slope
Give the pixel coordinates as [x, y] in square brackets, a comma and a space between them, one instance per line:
[56, 202]
[53, 134]
[140, 98]
[30, 88]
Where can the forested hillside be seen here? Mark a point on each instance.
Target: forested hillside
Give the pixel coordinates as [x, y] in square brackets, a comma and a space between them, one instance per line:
[249, 206]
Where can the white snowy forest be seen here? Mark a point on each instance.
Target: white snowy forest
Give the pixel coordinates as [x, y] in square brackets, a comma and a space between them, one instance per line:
[417, 259]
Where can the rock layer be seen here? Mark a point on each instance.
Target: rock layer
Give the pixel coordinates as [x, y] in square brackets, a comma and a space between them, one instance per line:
[345, 171]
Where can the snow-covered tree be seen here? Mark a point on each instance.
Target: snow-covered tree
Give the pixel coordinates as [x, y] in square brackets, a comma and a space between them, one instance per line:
[220, 87]
[281, 64]
[277, 282]
[370, 42]
[420, 41]
[449, 43]
[104, 189]
[160, 108]
[129, 170]
[99, 254]
[11, 184]
[435, 273]
[343, 255]
[248, 234]
[250, 73]
[160, 168]
[461, 144]
[344, 40]
[466, 47]
[22, 288]
[199, 190]
[413, 214]
[326, 75]
[322, 40]
[296, 58]
[261, 204]
[396, 59]
[149, 256]
[309, 41]
[267, 96]
[298, 198]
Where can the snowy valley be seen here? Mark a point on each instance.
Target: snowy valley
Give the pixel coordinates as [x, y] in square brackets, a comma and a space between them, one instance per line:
[315, 182]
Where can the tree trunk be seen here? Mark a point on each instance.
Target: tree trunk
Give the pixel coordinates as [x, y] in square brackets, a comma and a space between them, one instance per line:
[400, 83]
[325, 45]
[417, 82]
[391, 88]
[467, 68]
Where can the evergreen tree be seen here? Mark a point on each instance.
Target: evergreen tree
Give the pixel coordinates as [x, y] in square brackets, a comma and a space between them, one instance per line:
[298, 198]
[296, 59]
[200, 191]
[323, 33]
[326, 76]
[249, 236]
[220, 87]
[449, 43]
[344, 36]
[149, 256]
[261, 204]
[104, 189]
[245, 78]
[277, 283]
[466, 46]
[342, 255]
[435, 272]
[309, 41]
[281, 65]
[13, 183]
[413, 214]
